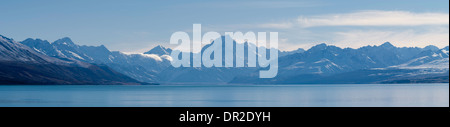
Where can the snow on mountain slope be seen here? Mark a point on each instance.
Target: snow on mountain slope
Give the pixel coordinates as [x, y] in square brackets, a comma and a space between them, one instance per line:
[445, 50]
[326, 60]
[142, 67]
[321, 59]
[213, 74]
[13, 51]
[23, 65]
[159, 50]
[432, 59]
[437, 64]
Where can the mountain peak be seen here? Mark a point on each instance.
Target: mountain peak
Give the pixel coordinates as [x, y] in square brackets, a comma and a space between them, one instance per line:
[32, 42]
[29, 39]
[387, 45]
[431, 47]
[65, 41]
[159, 50]
[299, 50]
[5, 38]
[321, 46]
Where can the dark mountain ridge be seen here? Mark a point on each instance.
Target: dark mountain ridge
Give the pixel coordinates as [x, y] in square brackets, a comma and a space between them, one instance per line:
[23, 65]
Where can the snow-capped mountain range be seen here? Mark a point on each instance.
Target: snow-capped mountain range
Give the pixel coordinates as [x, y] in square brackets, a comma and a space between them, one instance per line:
[299, 66]
[142, 67]
[370, 64]
[21, 64]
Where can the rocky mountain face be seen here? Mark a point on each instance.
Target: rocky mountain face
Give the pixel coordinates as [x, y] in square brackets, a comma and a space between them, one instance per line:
[159, 50]
[142, 67]
[370, 64]
[21, 64]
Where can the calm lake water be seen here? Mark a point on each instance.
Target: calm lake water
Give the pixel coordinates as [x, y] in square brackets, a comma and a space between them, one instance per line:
[366, 95]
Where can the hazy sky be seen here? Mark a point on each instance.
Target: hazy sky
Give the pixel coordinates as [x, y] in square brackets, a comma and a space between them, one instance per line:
[138, 25]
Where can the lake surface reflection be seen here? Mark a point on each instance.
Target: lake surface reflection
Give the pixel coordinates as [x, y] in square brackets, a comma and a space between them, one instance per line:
[317, 95]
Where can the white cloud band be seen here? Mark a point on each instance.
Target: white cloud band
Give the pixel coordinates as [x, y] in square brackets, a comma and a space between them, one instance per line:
[376, 18]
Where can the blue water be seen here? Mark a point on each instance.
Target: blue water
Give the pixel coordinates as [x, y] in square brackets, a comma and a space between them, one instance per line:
[357, 95]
